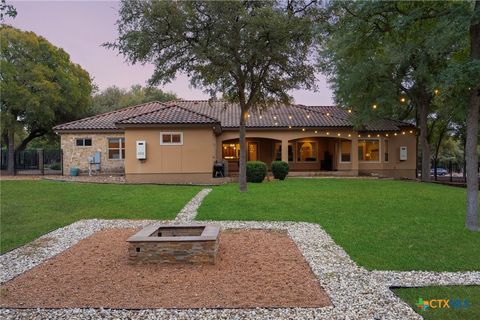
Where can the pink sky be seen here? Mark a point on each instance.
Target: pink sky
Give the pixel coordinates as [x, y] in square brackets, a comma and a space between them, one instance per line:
[81, 27]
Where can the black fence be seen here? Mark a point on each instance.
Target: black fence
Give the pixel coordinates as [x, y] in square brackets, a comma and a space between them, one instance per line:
[40, 161]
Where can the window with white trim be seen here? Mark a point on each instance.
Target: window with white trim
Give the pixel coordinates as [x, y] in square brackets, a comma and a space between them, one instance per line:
[369, 150]
[116, 148]
[83, 142]
[171, 138]
[345, 150]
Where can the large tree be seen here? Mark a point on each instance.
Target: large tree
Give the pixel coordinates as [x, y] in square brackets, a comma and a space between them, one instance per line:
[251, 52]
[386, 58]
[41, 87]
[114, 98]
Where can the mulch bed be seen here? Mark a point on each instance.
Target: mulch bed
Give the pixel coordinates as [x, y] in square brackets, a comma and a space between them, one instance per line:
[255, 268]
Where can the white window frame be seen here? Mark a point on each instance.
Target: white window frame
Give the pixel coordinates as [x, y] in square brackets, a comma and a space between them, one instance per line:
[120, 149]
[380, 150]
[171, 143]
[386, 147]
[83, 146]
[340, 151]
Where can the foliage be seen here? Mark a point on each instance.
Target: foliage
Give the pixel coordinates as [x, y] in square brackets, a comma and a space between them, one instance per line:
[393, 55]
[33, 208]
[252, 52]
[114, 98]
[41, 87]
[280, 169]
[376, 221]
[470, 293]
[7, 10]
[256, 171]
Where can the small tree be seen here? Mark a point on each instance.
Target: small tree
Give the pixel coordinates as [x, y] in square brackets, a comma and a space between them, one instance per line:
[40, 88]
[251, 52]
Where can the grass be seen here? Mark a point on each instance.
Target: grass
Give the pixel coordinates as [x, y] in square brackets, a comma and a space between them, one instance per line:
[382, 224]
[30, 209]
[470, 293]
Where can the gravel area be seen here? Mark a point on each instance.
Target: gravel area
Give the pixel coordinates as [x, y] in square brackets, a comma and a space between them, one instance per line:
[116, 179]
[354, 292]
[254, 269]
[189, 212]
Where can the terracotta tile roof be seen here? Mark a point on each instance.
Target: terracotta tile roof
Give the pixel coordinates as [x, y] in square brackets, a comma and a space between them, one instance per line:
[228, 115]
[106, 121]
[169, 115]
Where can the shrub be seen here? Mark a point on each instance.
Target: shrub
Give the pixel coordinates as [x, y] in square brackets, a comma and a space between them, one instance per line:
[279, 169]
[55, 166]
[256, 171]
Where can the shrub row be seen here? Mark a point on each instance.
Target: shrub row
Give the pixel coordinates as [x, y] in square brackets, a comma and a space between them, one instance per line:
[257, 170]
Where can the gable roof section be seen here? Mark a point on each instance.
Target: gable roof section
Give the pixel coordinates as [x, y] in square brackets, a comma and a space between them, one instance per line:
[227, 115]
[106, 121]
[171, 114]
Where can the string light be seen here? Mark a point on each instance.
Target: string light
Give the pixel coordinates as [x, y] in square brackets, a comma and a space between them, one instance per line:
[289, 117]
[403, 132]
[374, 106]
[402, 99]
[359, 135]
[368, 136]
[338, 134]
[386, 134]
[411, 131]
[349, 110]
[276, 123]
[274, 117]
[378, 136]
[436, 91]
[316, 131]
[328, 133]
[308, 116]
[303, 129]
[289, 127]
[260, 117]
[328, 113]
[349, 135]
[395, 133]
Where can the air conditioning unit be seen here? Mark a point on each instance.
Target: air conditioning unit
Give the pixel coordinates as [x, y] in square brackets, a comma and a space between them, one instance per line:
[141, 150]
[403, 154]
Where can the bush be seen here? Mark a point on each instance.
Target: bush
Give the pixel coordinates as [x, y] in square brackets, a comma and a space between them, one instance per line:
[256, 171]
[279, 169]
[55, 166]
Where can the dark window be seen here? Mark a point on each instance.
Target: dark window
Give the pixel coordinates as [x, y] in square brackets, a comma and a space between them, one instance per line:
[83, 142]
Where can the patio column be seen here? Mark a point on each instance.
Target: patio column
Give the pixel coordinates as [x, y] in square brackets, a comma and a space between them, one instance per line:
[285, 150]
[354, 154]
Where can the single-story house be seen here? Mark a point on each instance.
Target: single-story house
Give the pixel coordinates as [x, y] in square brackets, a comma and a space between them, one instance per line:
[180, 141]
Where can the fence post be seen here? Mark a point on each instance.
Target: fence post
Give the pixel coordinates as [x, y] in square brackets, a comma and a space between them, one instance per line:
[40, 161]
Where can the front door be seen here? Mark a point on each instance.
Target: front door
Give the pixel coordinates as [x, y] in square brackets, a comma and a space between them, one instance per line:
[252, 151]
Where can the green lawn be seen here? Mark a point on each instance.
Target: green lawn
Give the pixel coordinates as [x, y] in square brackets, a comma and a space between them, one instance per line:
[453, 293]
[30, 209]
[382, 224]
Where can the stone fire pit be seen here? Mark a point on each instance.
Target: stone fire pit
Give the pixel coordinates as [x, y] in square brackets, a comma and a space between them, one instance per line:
[157, 243]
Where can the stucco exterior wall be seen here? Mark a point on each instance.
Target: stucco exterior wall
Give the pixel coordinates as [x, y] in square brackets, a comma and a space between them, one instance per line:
[191, 162]
[74, 156]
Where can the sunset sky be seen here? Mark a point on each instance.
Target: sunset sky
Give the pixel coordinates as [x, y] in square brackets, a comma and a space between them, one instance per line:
[81, 27]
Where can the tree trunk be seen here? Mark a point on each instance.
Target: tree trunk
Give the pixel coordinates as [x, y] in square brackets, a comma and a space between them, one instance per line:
[242, 170]
[471, 153]
[11, 152]
[423, 115]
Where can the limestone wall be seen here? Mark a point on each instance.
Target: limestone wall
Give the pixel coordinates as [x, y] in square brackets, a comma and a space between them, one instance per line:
[75, 156]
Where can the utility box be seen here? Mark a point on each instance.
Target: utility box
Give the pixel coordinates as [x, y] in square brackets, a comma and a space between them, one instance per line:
[403, 154]
[141, 150]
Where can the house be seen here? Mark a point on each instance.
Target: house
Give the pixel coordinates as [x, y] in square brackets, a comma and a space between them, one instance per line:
[183, 140]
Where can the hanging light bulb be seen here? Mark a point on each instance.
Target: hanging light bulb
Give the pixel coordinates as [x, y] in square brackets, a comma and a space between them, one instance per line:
[374, 106]
[349, 110]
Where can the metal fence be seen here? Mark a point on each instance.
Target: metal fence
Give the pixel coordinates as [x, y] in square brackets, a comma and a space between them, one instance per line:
[38, 162]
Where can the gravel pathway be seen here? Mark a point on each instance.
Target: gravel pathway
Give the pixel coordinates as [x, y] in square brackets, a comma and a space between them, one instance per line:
[355, 292]
[189, 212]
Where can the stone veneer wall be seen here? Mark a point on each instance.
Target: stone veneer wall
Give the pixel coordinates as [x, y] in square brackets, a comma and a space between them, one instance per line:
[74, 156]
[173, 252]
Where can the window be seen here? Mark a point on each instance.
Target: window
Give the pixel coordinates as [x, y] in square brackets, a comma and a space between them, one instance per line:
[369, 150]
[230, 151]
[386, 151]
[83, 142]
[307, 151]
[171, 138]
[278, 152]
[116, 148]
[345, 149]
